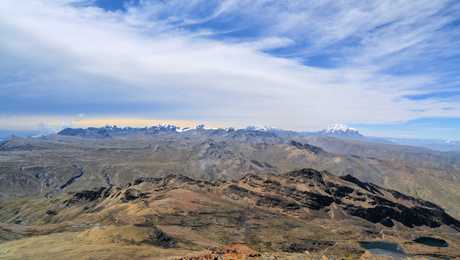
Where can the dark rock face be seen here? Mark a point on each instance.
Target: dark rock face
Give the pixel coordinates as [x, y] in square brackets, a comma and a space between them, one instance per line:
[133, 194]
[146, 179]
[339, 191]
[379, 214]
[51, 212]
[73, 178]
[386, 209]
[88, 195]
[159, 238]
[271, 201]
[307, 175]
[308, 199]
[287, 198]
[301, 193]
[425, 203]
[308, 147]
[367, 186]
[172, 181]
[307, 245]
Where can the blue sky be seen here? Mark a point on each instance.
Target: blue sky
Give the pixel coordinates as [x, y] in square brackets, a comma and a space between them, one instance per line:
[389, 68]
[426, 128]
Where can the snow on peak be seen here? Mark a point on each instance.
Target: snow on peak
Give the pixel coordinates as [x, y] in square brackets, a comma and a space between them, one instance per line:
[259, 128]
[340, 128]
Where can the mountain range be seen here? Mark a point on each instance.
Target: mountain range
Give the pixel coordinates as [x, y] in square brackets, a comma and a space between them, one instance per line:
[122, 185]
[337, 130]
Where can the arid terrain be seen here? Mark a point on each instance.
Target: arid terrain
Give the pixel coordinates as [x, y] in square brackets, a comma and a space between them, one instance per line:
[157, 193]
[90, 158]
[297, 215]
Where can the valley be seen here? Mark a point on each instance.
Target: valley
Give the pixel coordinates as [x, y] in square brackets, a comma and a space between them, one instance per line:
[160, 193]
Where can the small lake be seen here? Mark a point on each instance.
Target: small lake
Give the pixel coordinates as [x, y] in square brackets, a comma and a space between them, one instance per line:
[431, 241]
[384, 248]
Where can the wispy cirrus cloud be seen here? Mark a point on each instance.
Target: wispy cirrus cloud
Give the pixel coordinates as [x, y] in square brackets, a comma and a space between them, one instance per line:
[292, 64]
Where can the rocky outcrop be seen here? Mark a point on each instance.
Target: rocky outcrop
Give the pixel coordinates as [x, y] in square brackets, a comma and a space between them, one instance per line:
[410, 217]
[307, 245]
[308, 147]
[74, 178]
[133, 194]
[304, 192]
[88, 196]
[231, 251]
[161, 239]
[301, 213]
[364, 185]
[321, 189]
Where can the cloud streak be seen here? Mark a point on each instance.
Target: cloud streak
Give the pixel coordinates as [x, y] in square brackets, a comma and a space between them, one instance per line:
[153, 60]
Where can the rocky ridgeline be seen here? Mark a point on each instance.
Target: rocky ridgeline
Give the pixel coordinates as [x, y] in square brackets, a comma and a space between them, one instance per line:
[300, 214]
[115, 131]
[303, 193]
[109, 131]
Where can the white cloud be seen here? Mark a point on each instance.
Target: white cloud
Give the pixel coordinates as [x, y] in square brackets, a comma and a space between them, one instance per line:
[84, 55]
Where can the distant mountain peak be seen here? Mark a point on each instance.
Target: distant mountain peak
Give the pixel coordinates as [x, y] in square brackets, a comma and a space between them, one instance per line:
[259, 128]
[113, 131]
[341, 130]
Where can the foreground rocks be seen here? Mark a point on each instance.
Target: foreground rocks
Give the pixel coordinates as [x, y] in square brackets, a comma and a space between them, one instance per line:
[302, 214]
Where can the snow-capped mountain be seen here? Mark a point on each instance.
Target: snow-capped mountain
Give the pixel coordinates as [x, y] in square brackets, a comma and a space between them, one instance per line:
[340, 130]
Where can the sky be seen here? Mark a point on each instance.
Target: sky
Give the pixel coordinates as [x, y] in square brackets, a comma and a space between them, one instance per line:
[388, 67]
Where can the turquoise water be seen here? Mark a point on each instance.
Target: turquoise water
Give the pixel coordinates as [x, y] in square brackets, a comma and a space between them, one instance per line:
[384, 248]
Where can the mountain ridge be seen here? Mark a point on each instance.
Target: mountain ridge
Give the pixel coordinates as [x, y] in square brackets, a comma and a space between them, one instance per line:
[308, 213]
[338, 131]
[42, 165]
